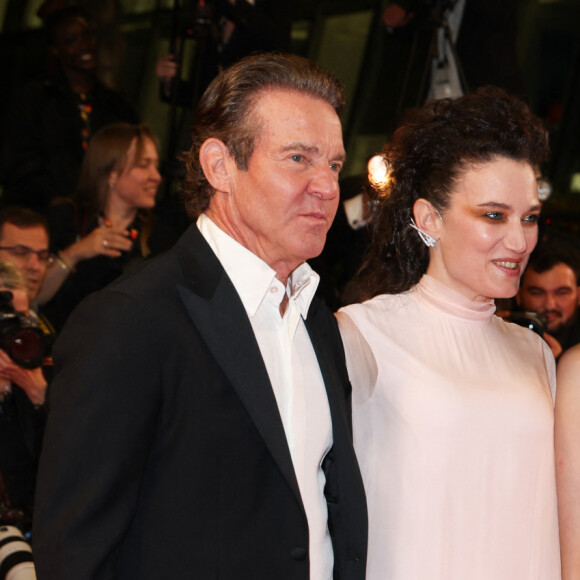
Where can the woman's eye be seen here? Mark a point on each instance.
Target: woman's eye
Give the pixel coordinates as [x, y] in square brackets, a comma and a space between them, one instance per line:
[532, 218]
[494, 215]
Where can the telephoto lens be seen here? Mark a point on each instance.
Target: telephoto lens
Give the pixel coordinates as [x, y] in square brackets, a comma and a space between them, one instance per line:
[23, 342]
[15, 555]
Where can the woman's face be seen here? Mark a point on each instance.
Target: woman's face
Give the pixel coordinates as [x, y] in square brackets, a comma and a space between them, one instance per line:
[136, 186]
[489, 230]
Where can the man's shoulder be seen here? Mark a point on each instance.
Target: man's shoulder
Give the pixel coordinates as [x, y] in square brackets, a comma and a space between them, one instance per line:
[183, 263]
[155, 274]
[135, 308]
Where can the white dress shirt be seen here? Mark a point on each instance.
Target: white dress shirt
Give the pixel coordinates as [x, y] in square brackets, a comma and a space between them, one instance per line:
[293, 370]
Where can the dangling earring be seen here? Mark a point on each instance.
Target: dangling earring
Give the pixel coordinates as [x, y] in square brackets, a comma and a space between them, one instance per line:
[428, 240]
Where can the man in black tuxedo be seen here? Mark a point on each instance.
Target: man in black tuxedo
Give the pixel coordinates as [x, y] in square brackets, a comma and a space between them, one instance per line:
[199, 419]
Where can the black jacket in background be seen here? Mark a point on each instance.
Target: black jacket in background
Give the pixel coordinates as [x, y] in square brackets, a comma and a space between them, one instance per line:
[42, 151]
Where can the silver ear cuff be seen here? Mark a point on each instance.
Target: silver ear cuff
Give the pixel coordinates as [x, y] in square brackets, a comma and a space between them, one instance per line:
[428, 240]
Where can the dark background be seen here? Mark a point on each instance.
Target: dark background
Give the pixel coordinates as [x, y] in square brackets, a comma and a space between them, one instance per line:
[347, 37]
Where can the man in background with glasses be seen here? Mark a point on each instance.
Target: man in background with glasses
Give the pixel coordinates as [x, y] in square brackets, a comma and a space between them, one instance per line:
[24, 242]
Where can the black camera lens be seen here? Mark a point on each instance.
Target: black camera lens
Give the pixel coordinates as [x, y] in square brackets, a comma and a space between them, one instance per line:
[23, 343]
[529, 319]
[25, 346]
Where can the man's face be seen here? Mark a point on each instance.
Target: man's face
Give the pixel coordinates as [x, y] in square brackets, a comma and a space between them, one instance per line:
[282, 206]
[553, 293]
[75, 45]
[29, 263]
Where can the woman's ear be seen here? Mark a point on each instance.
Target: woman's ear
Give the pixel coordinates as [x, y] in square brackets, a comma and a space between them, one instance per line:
[217, 164]
[427, 218]
[112, 181]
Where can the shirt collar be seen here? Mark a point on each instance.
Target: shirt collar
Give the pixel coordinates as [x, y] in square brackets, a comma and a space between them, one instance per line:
[251, 276]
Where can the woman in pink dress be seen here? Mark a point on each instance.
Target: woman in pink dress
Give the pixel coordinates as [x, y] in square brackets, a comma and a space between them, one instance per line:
[453, 406]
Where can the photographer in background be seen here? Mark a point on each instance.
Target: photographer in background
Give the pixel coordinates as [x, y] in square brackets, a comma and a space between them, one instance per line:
[22, 393]
[549, 286]
[236, 28]
[24, 242]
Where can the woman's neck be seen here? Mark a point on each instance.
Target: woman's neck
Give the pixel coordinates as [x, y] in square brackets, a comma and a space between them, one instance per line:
[119, 217]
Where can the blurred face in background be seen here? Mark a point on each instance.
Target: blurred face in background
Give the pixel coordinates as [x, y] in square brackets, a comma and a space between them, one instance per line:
[27, 249]
[487, 234]
[74, 45]
[136, 185]
[553, 293]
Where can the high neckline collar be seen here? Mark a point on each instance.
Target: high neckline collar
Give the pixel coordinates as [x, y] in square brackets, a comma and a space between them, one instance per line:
[440, 297]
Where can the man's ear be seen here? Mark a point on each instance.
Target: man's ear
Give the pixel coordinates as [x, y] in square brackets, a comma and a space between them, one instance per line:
[427, 218]
[217, 164]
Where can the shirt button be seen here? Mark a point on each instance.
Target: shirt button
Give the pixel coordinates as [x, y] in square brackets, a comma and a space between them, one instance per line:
[298, 553]
[274, 290]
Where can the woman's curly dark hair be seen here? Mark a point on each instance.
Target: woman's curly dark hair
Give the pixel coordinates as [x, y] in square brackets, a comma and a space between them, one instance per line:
[432, 148]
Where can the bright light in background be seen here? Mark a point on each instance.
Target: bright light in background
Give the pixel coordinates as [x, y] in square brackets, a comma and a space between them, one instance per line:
[544, 189]
[378, 170]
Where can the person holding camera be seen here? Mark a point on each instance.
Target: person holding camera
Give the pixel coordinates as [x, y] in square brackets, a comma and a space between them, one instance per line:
[22, 395]
[452, 406]
[549, 287]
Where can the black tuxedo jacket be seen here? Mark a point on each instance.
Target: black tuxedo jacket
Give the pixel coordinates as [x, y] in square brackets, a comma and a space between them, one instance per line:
[165, 454]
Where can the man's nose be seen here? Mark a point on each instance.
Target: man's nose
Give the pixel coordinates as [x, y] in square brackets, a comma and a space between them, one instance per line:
[324, 183]
[551, 303]
[33, 261]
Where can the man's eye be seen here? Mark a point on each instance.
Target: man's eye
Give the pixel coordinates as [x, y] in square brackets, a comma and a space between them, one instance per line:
[297, 158]
[336, 167]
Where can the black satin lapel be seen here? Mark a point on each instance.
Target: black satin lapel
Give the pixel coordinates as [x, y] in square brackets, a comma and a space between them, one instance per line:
[329, 356]
[222, 321]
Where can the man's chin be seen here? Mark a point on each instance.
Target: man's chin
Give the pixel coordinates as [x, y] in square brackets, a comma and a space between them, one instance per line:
[33, 290]
[559, 328]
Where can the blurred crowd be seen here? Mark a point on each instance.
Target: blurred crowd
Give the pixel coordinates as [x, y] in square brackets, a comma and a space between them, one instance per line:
[80, 177]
